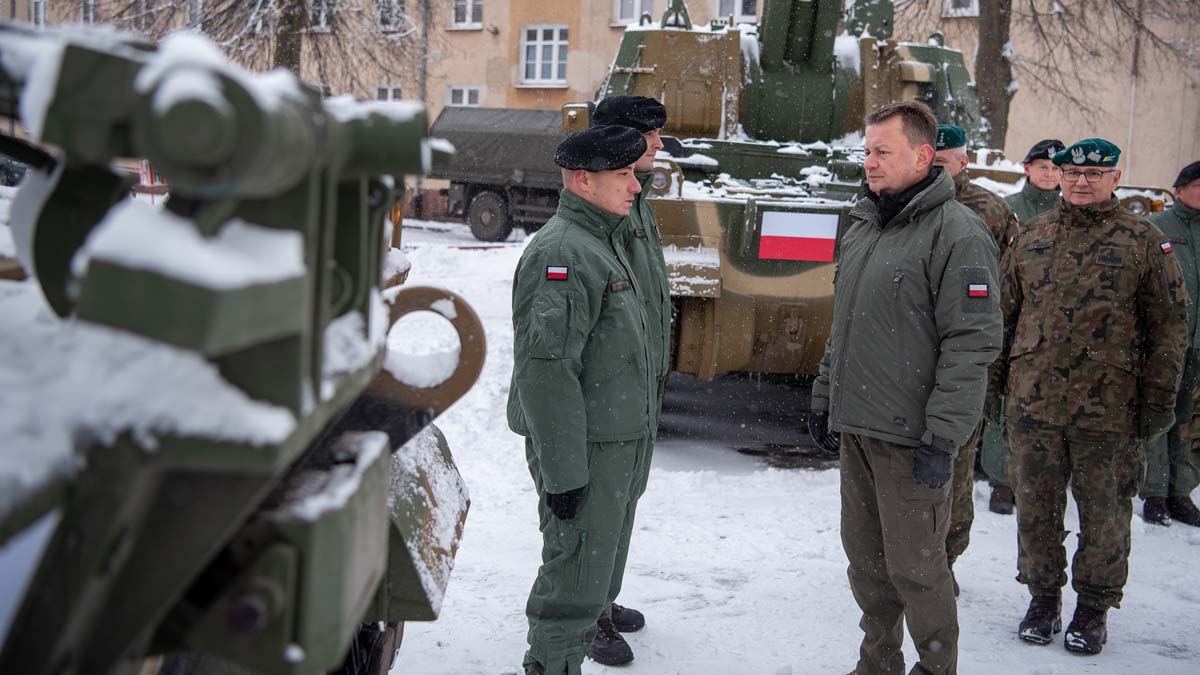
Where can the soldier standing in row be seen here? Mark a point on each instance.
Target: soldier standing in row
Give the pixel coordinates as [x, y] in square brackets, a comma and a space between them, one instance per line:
[1172, 464]
[583, 391]
[1002, 227]
[916, 322]
[1039, 194]
[643, 249]
[1095, 328]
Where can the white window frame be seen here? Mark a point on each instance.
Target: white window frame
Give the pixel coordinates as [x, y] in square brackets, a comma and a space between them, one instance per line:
[389, 27]
[87, 11]
[469, 7]
[391, 92]
[37, 13]
[465, 90]
[737, 11]
[322, 12]
[638, 7]
[972, 9]
[537, 80]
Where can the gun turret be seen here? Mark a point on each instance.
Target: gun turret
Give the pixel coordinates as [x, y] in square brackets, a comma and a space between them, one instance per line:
[239, 501]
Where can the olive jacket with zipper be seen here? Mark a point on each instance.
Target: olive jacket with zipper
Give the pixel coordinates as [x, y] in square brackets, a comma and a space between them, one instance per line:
[916, 321]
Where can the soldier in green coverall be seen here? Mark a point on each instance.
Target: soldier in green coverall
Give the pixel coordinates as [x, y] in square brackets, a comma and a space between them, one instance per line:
[583, 391]
[643, 249]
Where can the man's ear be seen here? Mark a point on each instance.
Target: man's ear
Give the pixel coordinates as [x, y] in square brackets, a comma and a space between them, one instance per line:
[925, 154]
[1117, 175]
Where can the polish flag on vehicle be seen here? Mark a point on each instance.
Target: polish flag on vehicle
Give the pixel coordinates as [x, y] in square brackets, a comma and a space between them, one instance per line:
[798, 236]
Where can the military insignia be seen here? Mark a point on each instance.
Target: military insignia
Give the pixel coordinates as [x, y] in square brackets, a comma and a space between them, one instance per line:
[556, 273]
[1166, 247]
[640, 232]
[622, 285]
[1111, 259]
[1095, 156]
[977, 290]
[1077, 156]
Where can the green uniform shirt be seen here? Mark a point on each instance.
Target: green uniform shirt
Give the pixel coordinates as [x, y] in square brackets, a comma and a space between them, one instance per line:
[1095, 321]
[1181, 225]
[916, 321]
[582, 368]
[1032, 202]
[644, 249]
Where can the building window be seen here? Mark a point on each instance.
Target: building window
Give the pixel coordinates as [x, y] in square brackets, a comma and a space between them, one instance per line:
[387, 92]
[467, 14]
[37, 13]
[544, 54]
[961, 8]
[320, 15]
[741, 10]
[464, 96]
[630, 11]
[390, 15]
[87, 11]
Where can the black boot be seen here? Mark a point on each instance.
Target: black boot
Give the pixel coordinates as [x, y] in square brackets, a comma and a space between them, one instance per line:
[627, 620]
[1088, 630]
[1002, 500]
[608, 647]
[1184, 510]
[1042, 620]
[1155, 511]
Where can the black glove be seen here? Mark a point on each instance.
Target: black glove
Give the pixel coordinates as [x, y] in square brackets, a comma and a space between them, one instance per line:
[565, 504]
[818, 429]
[932, 461]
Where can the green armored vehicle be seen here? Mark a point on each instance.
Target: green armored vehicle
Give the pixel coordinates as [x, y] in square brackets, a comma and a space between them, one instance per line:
[752, 198]
[207, 464]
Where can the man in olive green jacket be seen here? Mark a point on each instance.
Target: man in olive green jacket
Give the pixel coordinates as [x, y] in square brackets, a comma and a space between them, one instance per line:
[916, 322]
[643, 249]
[1172, 461]
[1040, 192]
[583, 391]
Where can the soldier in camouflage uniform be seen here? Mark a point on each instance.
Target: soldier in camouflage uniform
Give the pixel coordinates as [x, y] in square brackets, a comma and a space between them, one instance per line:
[1095, 330]
[1002, 227]
[1172, 462]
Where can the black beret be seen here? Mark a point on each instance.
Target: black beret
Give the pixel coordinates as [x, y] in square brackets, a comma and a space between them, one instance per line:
[600, 149]
[1046, 149]
[1190, 173]
[640, 112]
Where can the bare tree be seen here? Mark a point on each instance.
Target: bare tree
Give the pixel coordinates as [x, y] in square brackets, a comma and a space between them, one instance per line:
[1074, 47]
[353, 40]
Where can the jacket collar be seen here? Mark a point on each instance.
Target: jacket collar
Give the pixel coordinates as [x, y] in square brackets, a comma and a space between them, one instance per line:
[1085, 216]
[939, 191]
[587, 215]
[1186, 213]
[1039, 198]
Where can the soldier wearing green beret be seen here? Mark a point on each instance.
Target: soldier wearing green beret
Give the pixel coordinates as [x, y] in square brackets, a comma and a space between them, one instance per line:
[1095, 330]
[583, 391]
[1173, 461]
[1002, 226]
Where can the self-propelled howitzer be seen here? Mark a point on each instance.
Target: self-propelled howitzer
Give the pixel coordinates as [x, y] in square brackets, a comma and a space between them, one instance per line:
[213, 481]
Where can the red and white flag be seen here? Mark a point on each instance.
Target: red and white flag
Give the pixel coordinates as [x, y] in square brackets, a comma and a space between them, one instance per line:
[556, 272]
[977, 290]
[798, 236]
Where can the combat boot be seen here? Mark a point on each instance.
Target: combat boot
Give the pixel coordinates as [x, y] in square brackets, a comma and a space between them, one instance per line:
[627, 620]
[1042, 620]
[608, 647]
[1088, 630]
[1156, 511]
[1002, 500]
[1184, 510]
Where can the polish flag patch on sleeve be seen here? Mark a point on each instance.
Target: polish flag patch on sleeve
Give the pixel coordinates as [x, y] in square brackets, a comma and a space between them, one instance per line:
[1166, 247]
[557, 272]
[977, 290]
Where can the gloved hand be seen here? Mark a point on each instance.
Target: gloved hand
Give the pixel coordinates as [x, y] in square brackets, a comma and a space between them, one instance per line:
[1153, 423]
[818, 428]
[565, 504]
[932, 462]
[993, 408]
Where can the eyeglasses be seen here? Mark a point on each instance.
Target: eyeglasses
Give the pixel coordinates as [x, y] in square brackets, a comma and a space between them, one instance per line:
[1072, 175]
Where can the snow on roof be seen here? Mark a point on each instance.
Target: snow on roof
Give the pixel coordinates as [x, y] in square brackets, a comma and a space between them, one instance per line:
[346, 108]
[138, 235]
[71, 383]
[997, 187]
[845, 47]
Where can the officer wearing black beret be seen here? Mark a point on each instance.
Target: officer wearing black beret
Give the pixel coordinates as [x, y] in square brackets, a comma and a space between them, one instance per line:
[1040, 192]
[583, 392]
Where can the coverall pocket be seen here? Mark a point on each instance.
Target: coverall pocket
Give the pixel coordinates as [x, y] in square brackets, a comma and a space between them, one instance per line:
[573, 546]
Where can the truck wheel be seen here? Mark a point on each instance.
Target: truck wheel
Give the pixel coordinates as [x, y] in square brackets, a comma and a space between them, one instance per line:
[488, 217]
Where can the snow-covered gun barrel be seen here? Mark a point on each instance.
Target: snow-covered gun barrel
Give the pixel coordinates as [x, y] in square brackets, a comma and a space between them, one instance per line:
[233, 475]
[753, 195]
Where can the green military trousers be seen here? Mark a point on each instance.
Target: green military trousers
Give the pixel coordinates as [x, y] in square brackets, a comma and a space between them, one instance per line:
[991, 453]
[1172, 463]
[894, 533]
[1104, 471]
[584, 557]
[962, 498]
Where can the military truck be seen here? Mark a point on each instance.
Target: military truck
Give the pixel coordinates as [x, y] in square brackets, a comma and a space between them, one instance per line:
[210, 458]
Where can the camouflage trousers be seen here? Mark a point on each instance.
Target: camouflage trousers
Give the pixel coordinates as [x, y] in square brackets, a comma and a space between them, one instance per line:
[1104, 470]
[894, 534]
[962, 498]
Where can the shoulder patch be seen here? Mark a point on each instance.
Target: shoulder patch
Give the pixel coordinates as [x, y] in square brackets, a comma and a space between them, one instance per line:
[1166, 247]
[621, 285]
[557, 272]
[639, 232]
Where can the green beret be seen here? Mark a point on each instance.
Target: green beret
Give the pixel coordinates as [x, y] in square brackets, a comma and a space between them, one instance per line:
[640, 112]
[1089, 152]
[599, 149]
[950, 136]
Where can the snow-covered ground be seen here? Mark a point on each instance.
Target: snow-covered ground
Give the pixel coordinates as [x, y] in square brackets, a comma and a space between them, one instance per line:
[738, 566]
